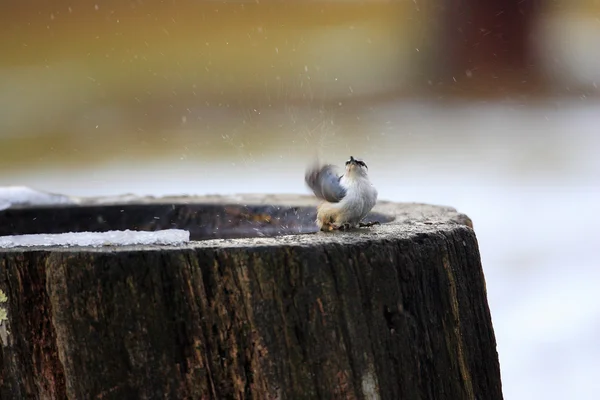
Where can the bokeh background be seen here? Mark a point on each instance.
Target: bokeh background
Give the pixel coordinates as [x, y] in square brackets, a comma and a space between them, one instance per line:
[490, 107]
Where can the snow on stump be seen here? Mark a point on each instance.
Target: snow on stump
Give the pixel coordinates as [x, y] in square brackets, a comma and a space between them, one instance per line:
[257, 306]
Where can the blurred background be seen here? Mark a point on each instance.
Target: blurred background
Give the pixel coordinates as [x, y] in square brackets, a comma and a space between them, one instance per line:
[490, 107]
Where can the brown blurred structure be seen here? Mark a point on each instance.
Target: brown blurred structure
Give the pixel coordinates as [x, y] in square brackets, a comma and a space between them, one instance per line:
[272, 51]
[486, 47]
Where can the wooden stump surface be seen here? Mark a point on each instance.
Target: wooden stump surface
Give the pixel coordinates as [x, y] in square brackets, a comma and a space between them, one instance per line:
[397, 311]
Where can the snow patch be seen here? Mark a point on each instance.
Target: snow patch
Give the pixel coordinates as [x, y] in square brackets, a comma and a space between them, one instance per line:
[21, 195]
[168, 237]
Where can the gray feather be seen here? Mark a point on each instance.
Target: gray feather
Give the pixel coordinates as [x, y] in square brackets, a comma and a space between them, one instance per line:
[325, 183]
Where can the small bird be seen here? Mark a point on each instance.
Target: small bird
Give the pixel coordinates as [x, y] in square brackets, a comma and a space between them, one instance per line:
[347, 199]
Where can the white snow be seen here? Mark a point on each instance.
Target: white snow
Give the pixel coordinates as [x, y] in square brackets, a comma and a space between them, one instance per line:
[169, 237]
[21, 195]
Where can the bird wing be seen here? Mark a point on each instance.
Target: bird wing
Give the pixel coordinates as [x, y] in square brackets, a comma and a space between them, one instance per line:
[325, 183]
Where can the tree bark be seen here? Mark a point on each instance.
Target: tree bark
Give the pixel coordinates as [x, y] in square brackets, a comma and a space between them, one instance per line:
[397, 311]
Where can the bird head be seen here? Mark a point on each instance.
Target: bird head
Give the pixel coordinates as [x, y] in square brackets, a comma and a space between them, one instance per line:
[356, 166]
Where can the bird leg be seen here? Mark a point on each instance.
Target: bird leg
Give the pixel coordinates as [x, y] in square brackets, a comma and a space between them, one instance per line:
[368, 224]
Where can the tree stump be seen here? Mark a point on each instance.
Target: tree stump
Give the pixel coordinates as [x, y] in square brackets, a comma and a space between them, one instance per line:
[249, 311]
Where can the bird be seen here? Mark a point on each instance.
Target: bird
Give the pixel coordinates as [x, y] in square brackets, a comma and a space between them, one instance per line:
[346, 199]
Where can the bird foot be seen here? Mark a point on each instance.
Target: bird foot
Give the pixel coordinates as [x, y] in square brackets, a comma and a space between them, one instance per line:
[344, 227]
[368, 224]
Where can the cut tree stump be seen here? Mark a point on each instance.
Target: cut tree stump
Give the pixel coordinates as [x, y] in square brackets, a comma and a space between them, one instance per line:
[396, 311]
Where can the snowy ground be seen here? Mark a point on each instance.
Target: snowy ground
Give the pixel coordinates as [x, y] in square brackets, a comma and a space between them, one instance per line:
[528, 176]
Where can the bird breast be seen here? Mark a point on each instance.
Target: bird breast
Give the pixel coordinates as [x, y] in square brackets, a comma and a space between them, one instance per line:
[360, 197]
